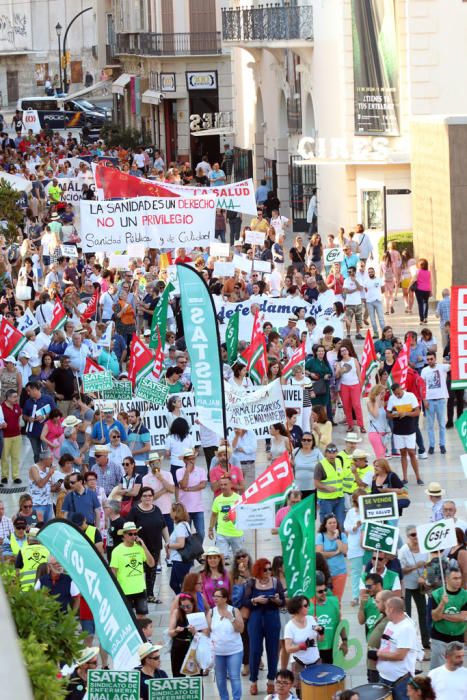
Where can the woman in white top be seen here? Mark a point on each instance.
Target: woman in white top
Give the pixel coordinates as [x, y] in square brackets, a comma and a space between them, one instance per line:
[178, 441]
[301, 636]
[280, 441]
[378, 423]
[353, 530]
[226, 627]
[239, 379]
[348, 371]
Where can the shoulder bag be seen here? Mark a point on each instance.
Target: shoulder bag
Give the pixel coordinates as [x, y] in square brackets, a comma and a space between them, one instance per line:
[193, 547]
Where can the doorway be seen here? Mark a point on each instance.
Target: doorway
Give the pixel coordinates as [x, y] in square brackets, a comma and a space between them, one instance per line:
[170, 119]
[12, 86]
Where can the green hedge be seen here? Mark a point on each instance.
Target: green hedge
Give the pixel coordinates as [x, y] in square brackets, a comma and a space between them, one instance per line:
[402, 239]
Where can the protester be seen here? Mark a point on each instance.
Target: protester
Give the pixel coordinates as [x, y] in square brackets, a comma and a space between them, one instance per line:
[127, 563]
[226, 626]
[449, 681]
[301, 637]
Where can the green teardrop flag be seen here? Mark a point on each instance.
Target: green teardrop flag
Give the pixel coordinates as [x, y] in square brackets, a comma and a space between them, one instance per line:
[159, 318]
[231, 337]
[297, 536]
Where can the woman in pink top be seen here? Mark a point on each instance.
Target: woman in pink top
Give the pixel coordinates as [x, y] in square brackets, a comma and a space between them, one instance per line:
[214, 574]
[423, 289]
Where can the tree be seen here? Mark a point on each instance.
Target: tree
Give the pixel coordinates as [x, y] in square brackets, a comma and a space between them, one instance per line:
[48, 637]
[10, 212]
[114, 135]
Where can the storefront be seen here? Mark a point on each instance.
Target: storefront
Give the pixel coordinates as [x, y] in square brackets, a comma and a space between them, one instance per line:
[203, 94]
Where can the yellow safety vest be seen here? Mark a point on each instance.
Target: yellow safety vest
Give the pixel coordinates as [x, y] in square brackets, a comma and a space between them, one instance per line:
[333, 478]
[14, 546]
[345, 460]
[350, 485]
[33, 555]
[91, 533]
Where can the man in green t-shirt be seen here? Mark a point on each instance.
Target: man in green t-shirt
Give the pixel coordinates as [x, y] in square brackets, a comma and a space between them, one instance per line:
[325, 608]
[449, 615]
[368, 612]
[127, 563]
[228, 537]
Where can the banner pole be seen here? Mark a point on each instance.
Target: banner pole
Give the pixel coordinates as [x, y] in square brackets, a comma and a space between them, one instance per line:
[377, 557]
[442, 571]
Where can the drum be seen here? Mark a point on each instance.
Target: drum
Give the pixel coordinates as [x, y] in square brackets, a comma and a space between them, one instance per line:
[374, 691]
[321, 681]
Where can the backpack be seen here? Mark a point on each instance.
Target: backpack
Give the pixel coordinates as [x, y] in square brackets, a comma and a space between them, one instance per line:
[433, 572]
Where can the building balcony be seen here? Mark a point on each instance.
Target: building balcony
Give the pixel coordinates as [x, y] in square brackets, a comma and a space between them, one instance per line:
[151, 44]
[277, 24]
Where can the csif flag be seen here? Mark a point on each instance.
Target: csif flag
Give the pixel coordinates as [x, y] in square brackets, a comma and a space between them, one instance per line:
[159, 358]
[203, 344]
[159, 317]
[91, 309]
[141, 360]
[297, 536]
[255, 354]
[369, 363]
[400, 367]
[231, 337]
[297, 358]
[12, 341]
[91, 366]
[58, 315]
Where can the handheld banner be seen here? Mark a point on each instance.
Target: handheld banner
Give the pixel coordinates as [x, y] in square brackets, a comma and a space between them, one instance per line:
[262, 407]
[297, 536]
[202, 342]
[437, 536]
[384, 538]
[115, 623]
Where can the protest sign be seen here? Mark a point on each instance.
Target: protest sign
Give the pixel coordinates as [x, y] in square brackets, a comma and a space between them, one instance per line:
[254, 237]
[255, 516]
[243, 263]
[224, 269]
[378, 506]
[164, 223]
[332, 255]
[113, 685]
[262, 265]
[155, 392]
[259, 408]
[461, 427]
[384, 538]
[121, 262]
[97, 381]
[121, 390]
[27, 322]
[458, 343]
[69, 250]
[155, 418]
[188, 688]
[435, 537]
[219, 249]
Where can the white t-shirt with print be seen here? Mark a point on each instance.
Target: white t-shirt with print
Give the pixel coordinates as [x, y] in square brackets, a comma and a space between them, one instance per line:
[398, 636]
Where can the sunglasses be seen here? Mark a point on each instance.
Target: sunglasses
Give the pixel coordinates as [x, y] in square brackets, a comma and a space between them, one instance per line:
[412, 534]
[131, 534]
[307, 440]
[127, 463]
[267, 568]
[75, 481]
[30, 505]
[117, 437]
[241, 556]
[20, 527]
[154, 658]
[332, 451]
[306, 604]
[414, 683]
[320, 590]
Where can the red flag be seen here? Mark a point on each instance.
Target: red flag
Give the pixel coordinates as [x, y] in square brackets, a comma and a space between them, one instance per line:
[141, 360]
[272, 485]
[369, 363]
[400, 367]
[117, 184]
[58, 315]
[11, 339]
[91, 366]
[297, 358]
[91, 308]
[159, 357]
[255, 354]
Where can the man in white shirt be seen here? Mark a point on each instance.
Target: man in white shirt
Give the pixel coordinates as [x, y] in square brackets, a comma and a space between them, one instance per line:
[398, 650]
[278, 222]
[434, 376]
[274, 281]
[374, 301]
[449, 510]
[450, 680]
[204, 165]
[352, 292]
[403, 409]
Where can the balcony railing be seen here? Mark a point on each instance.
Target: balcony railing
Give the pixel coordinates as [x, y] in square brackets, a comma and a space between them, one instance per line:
[268, 23]
[150, 44]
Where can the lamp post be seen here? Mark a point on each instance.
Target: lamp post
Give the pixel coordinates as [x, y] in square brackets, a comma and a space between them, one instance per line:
[58, 29]
[65, 79]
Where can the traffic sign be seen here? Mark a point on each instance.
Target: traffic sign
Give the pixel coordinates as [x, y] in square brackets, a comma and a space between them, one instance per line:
[398, 191]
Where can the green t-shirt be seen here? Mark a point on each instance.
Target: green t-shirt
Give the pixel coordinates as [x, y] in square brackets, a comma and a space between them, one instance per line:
[129, 561]
[328, 616]
[222, 505]
[388, 579]
[444, 630]
[371, 615]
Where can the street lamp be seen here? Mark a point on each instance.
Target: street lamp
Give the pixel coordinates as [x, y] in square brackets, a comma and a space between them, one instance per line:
[58, 29]
[65, 77]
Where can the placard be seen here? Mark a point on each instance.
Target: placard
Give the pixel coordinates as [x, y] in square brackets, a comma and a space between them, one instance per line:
[435, 537]
[255, 516]
[242, 263]
[113, 685]
[378, 506]
[188, 688]
[262, 265]
[121, 262]
[69, 250]
[197, 620]
[384, 538]
[120, 391]
[332, 255]
[155, 392]
[254, 237]
[97, 381]
[136, 250]
[224, 269]
[27, 322]
[262, 407]
[459, 337]
[219, 249]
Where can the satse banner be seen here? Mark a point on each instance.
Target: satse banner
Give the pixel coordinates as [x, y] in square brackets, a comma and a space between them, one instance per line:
[165, 223]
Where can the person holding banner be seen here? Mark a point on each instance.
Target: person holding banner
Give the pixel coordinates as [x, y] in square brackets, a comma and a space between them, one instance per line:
[150, 657]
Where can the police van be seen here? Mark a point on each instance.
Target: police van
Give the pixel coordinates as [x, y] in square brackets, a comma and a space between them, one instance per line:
[63, 112]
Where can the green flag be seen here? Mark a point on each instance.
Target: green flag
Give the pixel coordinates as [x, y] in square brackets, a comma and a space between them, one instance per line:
[115, 624]
[297, 535]
[231, 337]
[202, 342]
[160, 317]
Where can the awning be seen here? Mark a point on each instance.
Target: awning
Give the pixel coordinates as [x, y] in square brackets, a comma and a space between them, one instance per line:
[152, 97]
[87, 90]
[118, 86]
[19, 52]
[228, 131]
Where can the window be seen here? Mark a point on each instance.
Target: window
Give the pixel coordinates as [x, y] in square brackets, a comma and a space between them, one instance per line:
[372, 209]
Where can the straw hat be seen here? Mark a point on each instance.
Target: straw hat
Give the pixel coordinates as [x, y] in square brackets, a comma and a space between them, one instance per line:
[128, 527]
[146, 649]
[71, 422]
[86, 655]
[360, 454]
[434, 489]
[352, 437]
